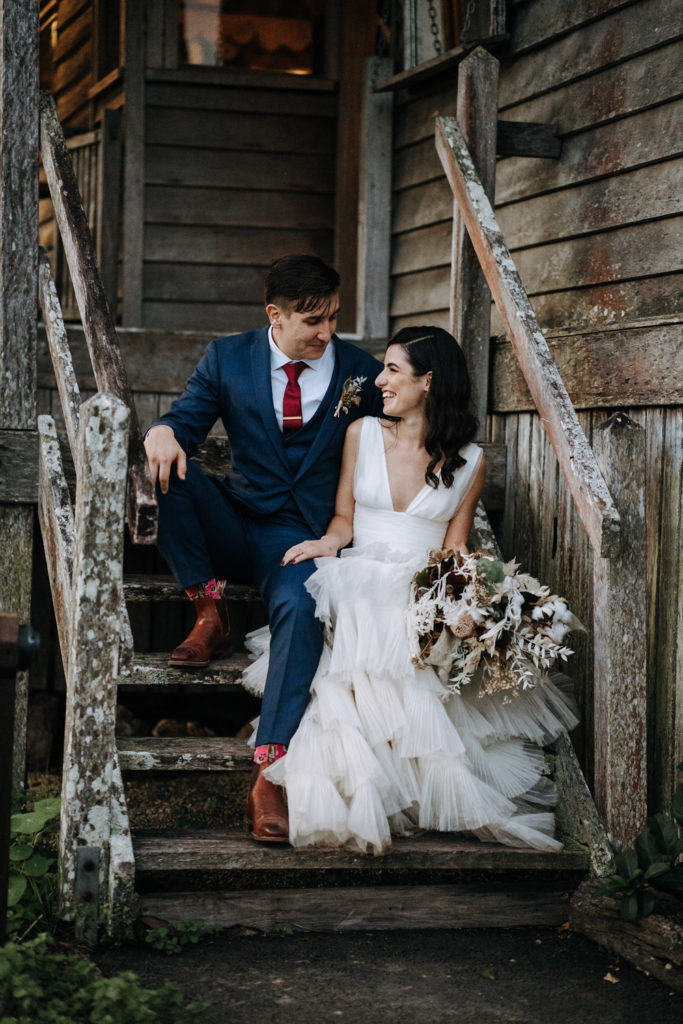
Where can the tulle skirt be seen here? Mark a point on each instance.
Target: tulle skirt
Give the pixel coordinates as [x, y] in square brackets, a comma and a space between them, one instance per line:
[384, 748]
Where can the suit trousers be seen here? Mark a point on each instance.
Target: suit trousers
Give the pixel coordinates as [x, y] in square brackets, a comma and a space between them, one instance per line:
[203, 534]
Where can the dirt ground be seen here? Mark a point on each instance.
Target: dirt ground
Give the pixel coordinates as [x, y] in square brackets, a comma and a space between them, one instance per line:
[530, 976]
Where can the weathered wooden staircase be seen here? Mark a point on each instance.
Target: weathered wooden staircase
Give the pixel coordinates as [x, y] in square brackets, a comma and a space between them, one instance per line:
[223, 877]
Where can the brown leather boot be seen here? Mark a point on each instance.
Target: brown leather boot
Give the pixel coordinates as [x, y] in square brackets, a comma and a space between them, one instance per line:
[210, 635]
[266, 809]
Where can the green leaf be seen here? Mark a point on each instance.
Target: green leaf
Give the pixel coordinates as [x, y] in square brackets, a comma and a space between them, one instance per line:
[664, 831]
[611, 887]
[656, 870]
[37, 866]
[647, 849]
[629, 908]
[20, 852]
[646, 903]
[50, 806]
[627, 864]
[29, 823]
[17, 888]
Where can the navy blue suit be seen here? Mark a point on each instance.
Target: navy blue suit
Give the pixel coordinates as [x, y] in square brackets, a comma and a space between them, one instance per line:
[281, 491]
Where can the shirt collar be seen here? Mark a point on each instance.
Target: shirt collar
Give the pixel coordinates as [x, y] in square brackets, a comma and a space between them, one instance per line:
[278, 359]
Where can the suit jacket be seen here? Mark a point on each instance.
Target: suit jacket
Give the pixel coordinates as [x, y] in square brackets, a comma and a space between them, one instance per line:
[232, 383]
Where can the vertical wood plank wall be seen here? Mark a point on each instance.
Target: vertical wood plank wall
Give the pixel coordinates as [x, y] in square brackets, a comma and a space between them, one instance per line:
[596, 236]
[234, 177]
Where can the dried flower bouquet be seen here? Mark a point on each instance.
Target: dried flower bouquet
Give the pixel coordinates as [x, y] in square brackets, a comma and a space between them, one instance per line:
[475, 618]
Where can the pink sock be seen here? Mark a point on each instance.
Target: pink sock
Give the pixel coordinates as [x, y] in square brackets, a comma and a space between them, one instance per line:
[211, 588]
[266, 753]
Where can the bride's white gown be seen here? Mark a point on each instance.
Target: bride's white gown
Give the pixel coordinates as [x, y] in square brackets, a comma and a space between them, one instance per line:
[383, 747]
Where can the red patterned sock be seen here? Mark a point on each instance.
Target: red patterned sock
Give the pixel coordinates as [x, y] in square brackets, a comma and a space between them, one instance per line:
[210, 588]
[266, 753]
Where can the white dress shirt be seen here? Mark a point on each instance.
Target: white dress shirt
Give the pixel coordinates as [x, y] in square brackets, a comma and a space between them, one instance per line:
[313, 381]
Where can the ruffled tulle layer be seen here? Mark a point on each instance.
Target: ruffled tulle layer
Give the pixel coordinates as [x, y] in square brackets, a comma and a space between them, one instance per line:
[384, 748]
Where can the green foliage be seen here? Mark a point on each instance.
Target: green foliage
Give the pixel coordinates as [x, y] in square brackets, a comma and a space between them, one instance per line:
[172, 940]
[39, 985]
[33, 868]
[491, 570]
[654, 861]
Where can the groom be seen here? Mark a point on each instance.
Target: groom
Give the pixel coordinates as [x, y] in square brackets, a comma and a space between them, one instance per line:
[285, 394]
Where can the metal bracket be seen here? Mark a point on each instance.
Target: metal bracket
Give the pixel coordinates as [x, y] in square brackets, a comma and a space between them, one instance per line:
[87, 892]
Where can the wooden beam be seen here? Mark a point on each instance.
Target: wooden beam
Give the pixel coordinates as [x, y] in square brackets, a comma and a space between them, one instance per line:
[93, 662]
[428, 69]
[374, 206]
[60, 353]
[620, 637]
[109, 204]
[98, 323]
[19, 46]
[577, 462]
[134, 165]
[526, 138]
[57, 528]
[477, 106]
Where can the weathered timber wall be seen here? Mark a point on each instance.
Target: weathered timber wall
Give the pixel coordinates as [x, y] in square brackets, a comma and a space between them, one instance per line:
[543, 532]
[596, 237]
[233, 178]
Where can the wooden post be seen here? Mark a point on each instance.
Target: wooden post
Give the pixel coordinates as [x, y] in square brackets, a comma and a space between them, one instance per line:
[374, 205]
[477, 114]
[19, 38]
[134, 166]
[93, 663]
[620, 637]
[109, 205]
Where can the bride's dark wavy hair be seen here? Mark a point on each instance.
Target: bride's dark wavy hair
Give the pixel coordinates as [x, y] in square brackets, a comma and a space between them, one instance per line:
[450, 422]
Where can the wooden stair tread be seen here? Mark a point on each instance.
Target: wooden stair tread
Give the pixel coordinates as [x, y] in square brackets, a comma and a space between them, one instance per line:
[222, 850]
[183, 753]
[151, 669]
[511, 904]
[138, 587]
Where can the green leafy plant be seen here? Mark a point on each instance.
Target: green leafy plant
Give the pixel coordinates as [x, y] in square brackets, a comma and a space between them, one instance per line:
[32, 889]
[41, 985]
[654, 862]
[172, 940]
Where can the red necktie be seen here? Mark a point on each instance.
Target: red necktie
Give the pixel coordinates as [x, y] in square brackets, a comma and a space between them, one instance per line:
[291, 403]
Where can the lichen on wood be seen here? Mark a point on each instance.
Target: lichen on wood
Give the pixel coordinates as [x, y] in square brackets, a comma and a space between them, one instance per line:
[93, 662]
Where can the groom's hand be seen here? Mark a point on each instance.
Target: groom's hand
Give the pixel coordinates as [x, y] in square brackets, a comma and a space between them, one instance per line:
[162, 451]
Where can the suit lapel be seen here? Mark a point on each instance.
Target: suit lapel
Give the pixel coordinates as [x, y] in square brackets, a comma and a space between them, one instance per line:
[263, 391]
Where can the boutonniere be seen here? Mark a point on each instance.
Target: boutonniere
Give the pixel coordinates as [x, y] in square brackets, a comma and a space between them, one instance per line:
[350, 394]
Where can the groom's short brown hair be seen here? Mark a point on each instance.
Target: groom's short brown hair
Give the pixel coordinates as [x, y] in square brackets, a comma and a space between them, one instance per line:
[301, 282]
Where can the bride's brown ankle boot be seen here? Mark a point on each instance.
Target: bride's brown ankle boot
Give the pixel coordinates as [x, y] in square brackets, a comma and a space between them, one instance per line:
[210, 634]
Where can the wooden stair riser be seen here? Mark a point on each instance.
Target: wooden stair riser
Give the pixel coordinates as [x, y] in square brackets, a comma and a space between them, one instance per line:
[366, 908]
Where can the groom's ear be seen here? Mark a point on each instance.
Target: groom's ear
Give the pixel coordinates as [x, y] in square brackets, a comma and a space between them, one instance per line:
[273, 312]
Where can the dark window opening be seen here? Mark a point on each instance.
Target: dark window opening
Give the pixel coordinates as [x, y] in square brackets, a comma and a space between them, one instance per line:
[264, 35]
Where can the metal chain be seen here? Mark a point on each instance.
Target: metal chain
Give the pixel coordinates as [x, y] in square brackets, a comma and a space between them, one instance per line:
[469, 14]
[434, 27]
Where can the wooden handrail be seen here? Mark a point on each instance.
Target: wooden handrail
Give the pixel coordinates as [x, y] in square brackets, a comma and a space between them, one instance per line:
[98, 323]
[574, 454]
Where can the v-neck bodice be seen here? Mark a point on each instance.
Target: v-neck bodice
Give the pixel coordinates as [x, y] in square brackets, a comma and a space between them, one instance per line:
[424, 522]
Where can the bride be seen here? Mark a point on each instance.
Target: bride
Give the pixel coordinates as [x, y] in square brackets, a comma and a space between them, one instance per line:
[384, 748]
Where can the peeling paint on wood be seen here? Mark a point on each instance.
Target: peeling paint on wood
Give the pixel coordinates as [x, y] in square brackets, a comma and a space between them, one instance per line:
[98, 323]
[56, 519]
[58, 344]
[93, 661]
[574, 454]
[620, 638]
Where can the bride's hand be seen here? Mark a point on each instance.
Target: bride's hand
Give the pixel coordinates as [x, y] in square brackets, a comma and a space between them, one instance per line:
[305, 549]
